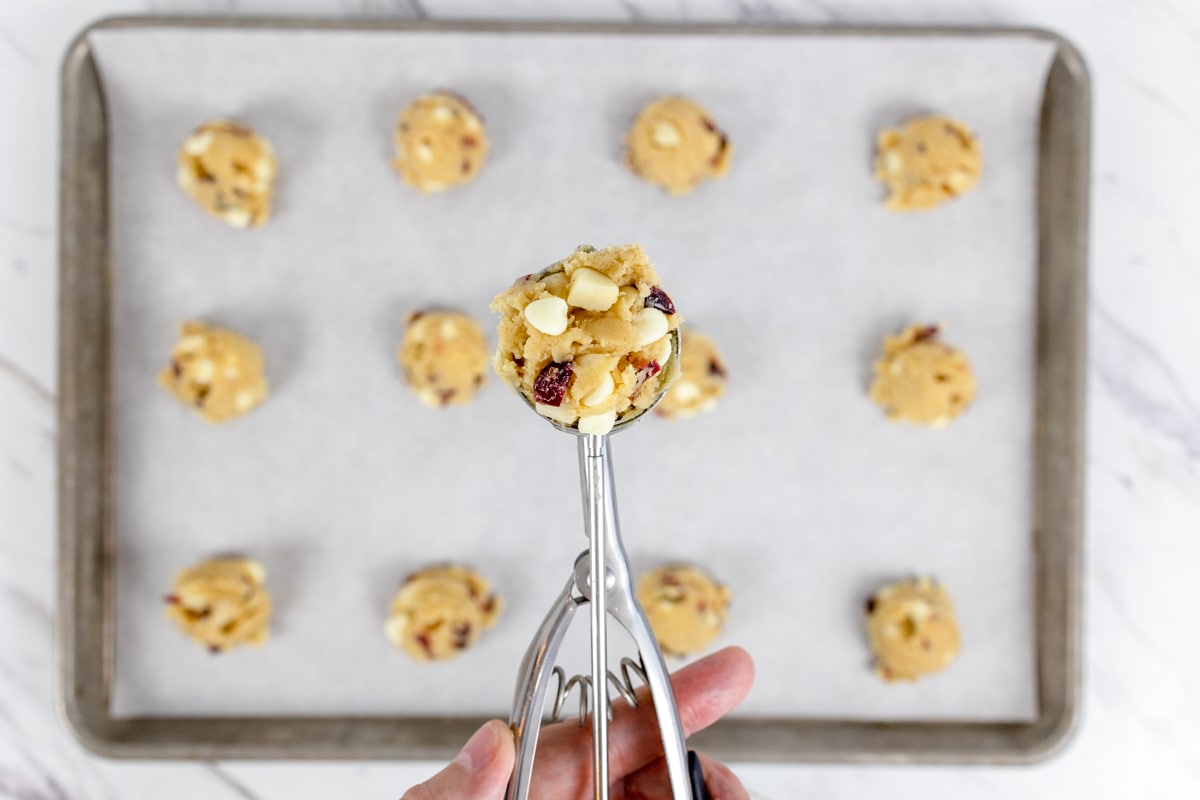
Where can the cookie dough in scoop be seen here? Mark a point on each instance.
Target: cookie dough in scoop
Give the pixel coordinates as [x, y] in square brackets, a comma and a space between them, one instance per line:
[588, 341]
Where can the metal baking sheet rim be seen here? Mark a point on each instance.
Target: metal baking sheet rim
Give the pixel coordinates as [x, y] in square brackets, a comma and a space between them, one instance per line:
[85, 610]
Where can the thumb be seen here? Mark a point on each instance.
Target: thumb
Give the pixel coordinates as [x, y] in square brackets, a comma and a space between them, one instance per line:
[480, 771]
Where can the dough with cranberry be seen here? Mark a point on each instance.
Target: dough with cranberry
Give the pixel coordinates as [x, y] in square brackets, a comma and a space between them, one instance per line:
[441, 611]
[675, 144]
[702, 378]
[927, 161]
[912, 629]
[221, 603]
[229, 170]
[216, 372]
[685, 606]
[444, 357]
[922, 380]
[440, 142]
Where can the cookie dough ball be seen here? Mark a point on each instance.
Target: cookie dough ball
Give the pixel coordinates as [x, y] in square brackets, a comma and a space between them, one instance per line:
[221, 603]
[927, 160]
[702, 377]
[441, 611]
[686, 608]
[912, 629]
[216, 372]
[675, 144]
[588, 341]
[444, 357]
[440, 142]
[229, 170]
[921, 380]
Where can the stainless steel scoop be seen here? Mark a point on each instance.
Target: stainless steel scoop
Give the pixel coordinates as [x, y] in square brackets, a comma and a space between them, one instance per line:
[605, 556]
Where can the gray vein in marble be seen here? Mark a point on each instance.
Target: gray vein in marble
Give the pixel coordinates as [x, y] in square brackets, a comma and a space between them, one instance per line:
[1177, 19]
[631, 10]
[1152, 206]
[405, 8]
[24, 379]
[40, 231]
[29, 604]
[1135, 709]
[1136, 632]
[237, 786]
[20, 468]
[760, 11]
[14, 44]
[14, 786]
[1177, 418]
[1157, 97]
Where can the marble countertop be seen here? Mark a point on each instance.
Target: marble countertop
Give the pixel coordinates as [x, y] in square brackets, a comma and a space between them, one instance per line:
[1140, 730]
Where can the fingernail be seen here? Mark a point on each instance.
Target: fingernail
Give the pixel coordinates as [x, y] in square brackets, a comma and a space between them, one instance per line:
[479, 749]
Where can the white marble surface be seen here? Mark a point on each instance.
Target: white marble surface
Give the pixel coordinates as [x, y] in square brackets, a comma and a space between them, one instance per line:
[1140, 732]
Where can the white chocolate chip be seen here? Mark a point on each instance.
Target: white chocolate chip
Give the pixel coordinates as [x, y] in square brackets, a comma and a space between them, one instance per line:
[443, 112]
[651, 325]
[685, 391]
[666, 134]
[557, 413]
[592, 290]
[198, 144]
[663, 352]
[630, 296]
[424, 152]
[202, 370]
[238, 217]
[243, 401]
[598, 424]
[893, 163]
[602, 392]
[255, 570]
[394, 629]
[548, 315]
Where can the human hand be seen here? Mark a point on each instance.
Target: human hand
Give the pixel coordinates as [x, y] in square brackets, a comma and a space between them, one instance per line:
[704, 692]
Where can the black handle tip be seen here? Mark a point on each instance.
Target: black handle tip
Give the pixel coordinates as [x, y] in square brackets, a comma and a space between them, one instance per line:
[699, 787]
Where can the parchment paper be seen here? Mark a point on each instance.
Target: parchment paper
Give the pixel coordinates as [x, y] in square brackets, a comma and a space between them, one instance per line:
[795, 492]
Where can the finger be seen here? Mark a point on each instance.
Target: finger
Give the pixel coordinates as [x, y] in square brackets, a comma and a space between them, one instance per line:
[651, 782]
[480, 771]
[704, 692]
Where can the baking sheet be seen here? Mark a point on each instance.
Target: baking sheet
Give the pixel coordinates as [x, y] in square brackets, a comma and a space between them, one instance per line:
[795, 491]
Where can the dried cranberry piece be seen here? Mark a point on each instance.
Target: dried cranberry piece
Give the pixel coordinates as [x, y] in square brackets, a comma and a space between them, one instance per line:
[928, 332]
[462, 635]
[171, 599]
[871, 604]
[422, 639]
[658, 299]
[645, 373]
[552, 383]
